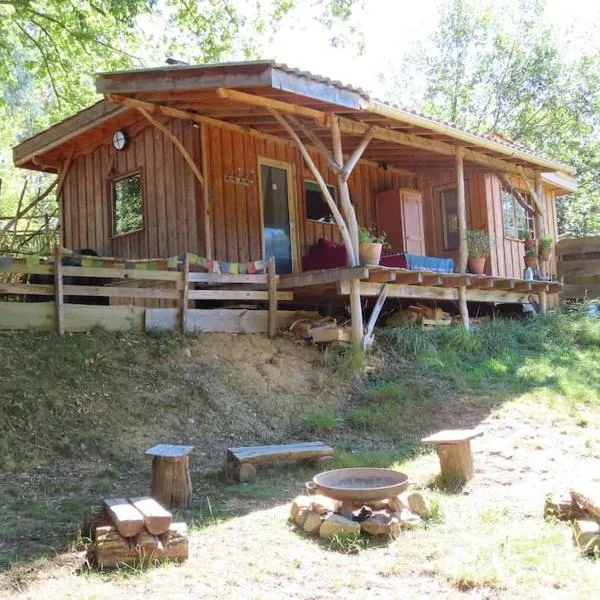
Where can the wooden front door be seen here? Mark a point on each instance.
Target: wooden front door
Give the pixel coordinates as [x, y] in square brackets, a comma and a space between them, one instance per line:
[412, 218]
[276, 191]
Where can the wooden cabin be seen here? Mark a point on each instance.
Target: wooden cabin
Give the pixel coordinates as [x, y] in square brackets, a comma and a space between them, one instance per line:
[202, 159]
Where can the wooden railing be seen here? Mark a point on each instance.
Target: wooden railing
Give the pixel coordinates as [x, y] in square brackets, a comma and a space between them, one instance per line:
[57, 282]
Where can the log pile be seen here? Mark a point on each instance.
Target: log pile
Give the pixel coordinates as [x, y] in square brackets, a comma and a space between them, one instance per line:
[325, 517]
[134, 531]
[581, 506]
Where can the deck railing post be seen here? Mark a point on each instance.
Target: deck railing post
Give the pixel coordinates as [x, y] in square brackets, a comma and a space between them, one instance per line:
[272, 279]
[58, 291]
[185, 291]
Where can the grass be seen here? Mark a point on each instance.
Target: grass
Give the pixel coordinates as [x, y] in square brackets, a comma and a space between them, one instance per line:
[76, 411]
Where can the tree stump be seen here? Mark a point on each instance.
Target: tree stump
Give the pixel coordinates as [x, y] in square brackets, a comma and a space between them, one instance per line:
[171, 482]
[453, 447]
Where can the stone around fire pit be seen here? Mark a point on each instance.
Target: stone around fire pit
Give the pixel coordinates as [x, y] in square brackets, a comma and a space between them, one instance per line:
[381, 523]
[337, 525]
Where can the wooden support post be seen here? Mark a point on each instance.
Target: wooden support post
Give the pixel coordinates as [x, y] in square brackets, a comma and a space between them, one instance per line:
[58, 290]
[464, 310]
[543, 303]
[461, 207]
[185, 292]
[208, 222]
[272, 276]
[539, 219]
[375, 315]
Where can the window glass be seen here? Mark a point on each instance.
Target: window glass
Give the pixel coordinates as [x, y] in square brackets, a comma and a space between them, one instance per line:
[128, 213]
[449, 218]
[518, 222]
[317, 208]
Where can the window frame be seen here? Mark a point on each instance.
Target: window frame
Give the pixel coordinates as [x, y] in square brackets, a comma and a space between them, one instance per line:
[514, 235]
[331, 187]
[442, 202]
[139, 171]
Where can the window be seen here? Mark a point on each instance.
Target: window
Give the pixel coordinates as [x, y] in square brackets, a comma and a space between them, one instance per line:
[128, 213]
[449, 218]
[317, 208]
[518, 222]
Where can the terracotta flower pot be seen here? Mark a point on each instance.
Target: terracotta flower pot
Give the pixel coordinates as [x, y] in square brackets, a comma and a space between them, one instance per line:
[476, 265]
[530, 261]
[369, 254]
[530, 243]
[545, 253]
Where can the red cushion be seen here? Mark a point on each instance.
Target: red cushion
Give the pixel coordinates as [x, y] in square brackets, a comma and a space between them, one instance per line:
[325, 255]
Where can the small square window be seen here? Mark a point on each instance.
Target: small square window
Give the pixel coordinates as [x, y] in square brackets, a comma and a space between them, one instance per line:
[317, 208]
[518, 223]
[128, 213]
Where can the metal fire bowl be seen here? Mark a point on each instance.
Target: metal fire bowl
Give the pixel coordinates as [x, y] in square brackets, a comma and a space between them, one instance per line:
[360, 484]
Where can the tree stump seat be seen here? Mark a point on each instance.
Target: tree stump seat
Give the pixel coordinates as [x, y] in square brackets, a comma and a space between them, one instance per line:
[453, 447]
[240, 462]
[171, 482]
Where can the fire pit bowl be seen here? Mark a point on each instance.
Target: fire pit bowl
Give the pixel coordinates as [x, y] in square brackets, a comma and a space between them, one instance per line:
[359, 485]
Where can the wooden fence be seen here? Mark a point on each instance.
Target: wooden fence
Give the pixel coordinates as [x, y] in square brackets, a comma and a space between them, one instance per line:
[25, 304]
[579, 266]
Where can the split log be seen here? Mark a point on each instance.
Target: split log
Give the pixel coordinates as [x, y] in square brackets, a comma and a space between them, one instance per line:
[156, 519]
[127, 519]
[111, 549]
[586, 535]
[587, 497]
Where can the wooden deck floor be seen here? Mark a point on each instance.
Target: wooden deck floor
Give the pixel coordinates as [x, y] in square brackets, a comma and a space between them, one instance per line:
[402, 283]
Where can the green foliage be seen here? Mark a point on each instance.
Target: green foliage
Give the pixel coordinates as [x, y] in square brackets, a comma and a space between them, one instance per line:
[498, 67]
[531, 252]
[370, 236]
[478, 242]
[319, 422]
[546, 242]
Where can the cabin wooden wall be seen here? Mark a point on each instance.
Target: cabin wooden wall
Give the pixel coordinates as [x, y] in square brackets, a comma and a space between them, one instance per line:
[172, 197]
[174, 208]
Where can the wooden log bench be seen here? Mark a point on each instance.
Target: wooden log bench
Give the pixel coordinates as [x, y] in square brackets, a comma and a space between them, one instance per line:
[453, 447]
[171, 482]
[240, 462]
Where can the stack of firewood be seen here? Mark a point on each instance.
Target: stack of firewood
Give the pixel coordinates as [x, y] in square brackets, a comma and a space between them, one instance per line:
[581, 506]
[134, 531]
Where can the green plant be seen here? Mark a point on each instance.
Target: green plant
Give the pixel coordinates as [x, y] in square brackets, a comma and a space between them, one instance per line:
[319, 422]
[368, 236]
[532, 252]
[546, 242]
[479, 243]
[350, 543]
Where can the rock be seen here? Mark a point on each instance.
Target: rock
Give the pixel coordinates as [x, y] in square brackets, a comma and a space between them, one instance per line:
[323, 504]
[187, 353]
[301, 516]
[418, 505]
[298, 504]
[408, 519]
[381, 523]
[312, 524]
[586, 535]
[398, 503]
[379, 504]
[338, 525]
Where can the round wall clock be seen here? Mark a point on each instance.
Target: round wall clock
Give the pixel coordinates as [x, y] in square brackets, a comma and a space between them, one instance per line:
[119, 139]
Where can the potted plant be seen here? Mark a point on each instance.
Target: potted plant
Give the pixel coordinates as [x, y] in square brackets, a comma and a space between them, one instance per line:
[531, 257]
[479, 244]
[546, 247]
[530, 241]
[370, 246]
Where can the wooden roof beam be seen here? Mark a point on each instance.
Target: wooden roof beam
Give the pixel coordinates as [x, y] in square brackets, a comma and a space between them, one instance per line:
[349, 126]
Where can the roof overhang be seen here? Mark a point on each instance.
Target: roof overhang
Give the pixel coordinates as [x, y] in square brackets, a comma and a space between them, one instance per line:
[194, 88]
[560, 182]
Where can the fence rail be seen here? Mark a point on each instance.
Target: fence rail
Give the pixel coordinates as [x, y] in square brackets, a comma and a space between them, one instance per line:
[579, 266]
[50, 290]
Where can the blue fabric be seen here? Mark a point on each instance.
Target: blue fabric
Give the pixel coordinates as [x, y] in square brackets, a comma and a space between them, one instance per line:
[429, 263]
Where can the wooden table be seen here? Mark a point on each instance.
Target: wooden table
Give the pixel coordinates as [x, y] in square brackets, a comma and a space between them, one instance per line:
[171, 481]
[453, 447]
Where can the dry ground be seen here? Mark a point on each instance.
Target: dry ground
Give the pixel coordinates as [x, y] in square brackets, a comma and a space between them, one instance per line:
[492, 543]
[76, 434]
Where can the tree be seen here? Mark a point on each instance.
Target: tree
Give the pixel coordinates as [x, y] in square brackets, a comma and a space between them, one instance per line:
[499, 68]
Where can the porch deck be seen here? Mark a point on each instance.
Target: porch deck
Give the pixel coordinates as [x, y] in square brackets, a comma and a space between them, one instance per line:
[310, 286]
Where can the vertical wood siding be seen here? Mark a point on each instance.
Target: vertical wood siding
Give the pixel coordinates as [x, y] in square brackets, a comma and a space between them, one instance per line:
[174, 201]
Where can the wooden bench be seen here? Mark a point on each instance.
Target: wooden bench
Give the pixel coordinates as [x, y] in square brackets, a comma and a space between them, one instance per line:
[171, 482]
[240, 462]
[453, 447]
